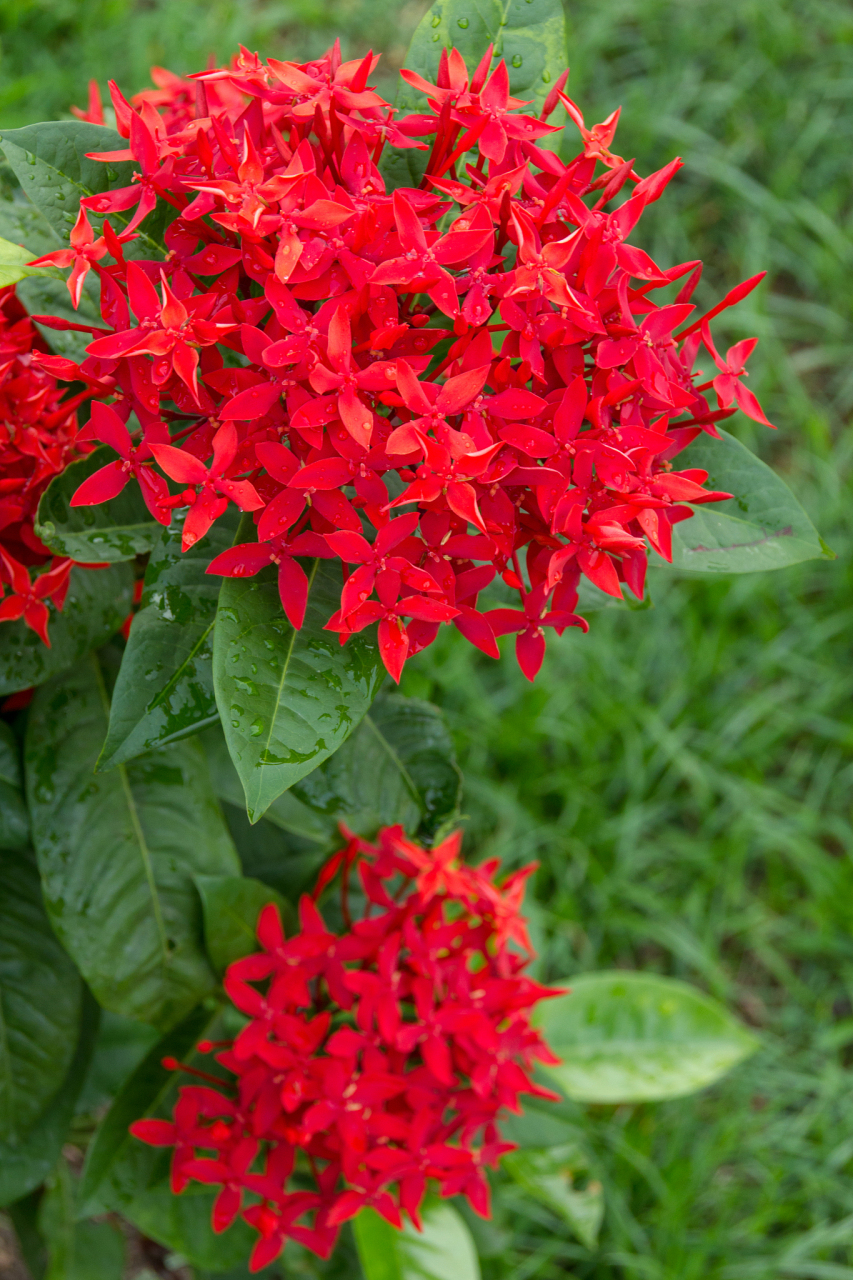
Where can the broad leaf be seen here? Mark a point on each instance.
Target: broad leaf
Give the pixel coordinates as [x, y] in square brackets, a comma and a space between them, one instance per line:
[40, 994]
[117, 852]
[77, 1250]
[97, 603]
[116, 530]
[762, 527]
[14, 819]
[444, 1249]
[143, 1094]
[13, 264]
[287, 699]
[530, 35]
[231, 906]
[550, 1175]
[50, 162]
[164, 689]
[635, 1037]
[398, 766]
[25, 1164]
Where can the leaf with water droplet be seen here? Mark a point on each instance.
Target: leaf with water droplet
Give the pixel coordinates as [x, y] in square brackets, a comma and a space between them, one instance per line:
[120, 529]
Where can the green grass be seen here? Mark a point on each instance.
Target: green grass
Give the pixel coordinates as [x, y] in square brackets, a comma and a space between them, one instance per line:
[683, 775]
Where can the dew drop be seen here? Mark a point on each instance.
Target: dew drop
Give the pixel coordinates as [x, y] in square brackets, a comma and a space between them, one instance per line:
[257, 727]
[463, 23]
[546, 77]
[516, 59]
[436, 38]
[30, 158]
[436, 21]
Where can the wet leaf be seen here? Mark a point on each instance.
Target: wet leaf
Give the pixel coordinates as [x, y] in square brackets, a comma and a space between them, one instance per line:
[164, 689]
[287, 699]
[116, 530]
[635, 1037]
[77, 1250]
[117, 852]
[550, 1175]
[14, 819]
[97, 603]
[762, 527]
[40, 995]
[232, 905]
[444, 1250]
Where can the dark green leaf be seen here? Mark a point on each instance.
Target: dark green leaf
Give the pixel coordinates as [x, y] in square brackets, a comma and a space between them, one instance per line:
[276, 857]
[121, 1045]
[14, 819]
[117, 852]
[762, 527]
[164, 689]
[636, 1037]
[143, 1094]
[182, 1223]
[50, 162]
[77, 1250]
[26, 1164]
[40, 994]
[398, 766]
[287, 699]
[24, 1215]
[549, 1176]
[116, 530]
[97, 603]
[530, 35]
[231, 906]
[444, 1249]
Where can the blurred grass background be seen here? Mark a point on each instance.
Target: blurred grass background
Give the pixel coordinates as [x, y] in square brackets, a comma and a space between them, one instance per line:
[683, 775]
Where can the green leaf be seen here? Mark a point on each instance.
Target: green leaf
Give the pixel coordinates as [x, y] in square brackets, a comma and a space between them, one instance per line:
[121, 1045]
[40, 994]
[530, 35]
[762, 527]
[14, 819]
[97, 603]
[24, 1216]
[113, 1151]
[636, 1037]
[116, 530]
[549, 1177]
[398, 766]
[77, 1250]
[117, 852]
[231, 906]
[50, 162]
[25, 1165]
[444, 1249]
[287, 699]
[13, 264]
[164, 689]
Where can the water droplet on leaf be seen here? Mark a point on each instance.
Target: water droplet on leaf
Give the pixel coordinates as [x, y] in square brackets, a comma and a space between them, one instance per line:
[516, 59]
[463, 23]
[436, 21]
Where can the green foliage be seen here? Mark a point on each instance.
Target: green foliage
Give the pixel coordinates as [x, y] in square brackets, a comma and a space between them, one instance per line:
[14, 819]
[117, 852]
[287, 699]
[76, 1250]
[116, 530]
[97, 603]
[13, 265]
[164, 688]
[549, 1175]
[231, 906]
[444, 1249]
[637, 1037]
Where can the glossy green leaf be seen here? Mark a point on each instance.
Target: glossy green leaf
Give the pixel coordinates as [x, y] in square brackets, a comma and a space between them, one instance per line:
[117, 852]
[50, 162]
[116, 530]
[13, 264]
[14, 819]
[550, 1177]
[530, 35]
[398, 766]
[762, 527]
[164, 689]
[40, 994]
[444, 1249]
[26, 1163]
[287, 699]
[636, 1037]
[112, 1152]
[231, 906]
[121, 1045]
[77, 1250]
[97, 603]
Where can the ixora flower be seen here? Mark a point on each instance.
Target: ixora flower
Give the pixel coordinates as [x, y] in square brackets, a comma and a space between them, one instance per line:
[436, 385]
[38, 438]
[372, 1061]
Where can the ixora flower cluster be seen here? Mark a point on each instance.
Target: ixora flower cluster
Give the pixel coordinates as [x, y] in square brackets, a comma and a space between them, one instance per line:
[38, 431]
[423, 383]
[372, 1060]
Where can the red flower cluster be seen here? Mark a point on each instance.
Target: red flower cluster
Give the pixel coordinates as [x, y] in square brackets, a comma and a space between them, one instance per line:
[483, 348]
[37, 439]
[372, 1060]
